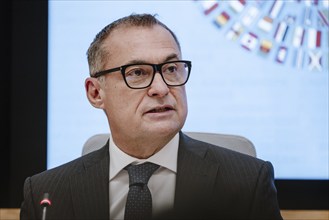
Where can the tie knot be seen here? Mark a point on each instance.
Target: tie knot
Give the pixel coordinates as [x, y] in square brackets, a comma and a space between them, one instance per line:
[140, 174]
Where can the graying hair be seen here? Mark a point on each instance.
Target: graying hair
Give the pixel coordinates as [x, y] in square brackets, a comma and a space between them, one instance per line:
[96, 54]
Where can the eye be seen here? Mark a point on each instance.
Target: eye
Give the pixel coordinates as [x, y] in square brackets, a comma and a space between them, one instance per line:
[171, 68]
[138, 72]
[135, 72]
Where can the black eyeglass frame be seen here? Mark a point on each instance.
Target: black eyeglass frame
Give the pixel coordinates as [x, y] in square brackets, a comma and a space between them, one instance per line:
[156, 68]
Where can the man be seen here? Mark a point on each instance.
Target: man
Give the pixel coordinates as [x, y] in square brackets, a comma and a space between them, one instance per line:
[137, 79]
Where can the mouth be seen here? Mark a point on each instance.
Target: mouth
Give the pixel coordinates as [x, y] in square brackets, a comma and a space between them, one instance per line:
[161, 109]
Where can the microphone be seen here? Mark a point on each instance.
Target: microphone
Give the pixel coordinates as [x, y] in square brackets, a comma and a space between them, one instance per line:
[45, 202]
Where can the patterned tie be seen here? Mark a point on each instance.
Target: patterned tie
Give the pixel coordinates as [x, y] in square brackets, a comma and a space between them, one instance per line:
[139, 199]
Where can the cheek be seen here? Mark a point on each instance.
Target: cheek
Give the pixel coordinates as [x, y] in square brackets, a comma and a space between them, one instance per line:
[181, 99]
[122, 103]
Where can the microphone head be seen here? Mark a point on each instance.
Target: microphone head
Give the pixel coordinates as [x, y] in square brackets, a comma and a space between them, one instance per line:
[45, 200]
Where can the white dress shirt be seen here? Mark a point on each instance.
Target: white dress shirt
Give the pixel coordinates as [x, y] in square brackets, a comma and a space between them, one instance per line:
[161, 184]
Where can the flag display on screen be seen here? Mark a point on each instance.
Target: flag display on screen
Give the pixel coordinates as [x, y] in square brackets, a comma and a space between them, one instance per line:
[290, 33]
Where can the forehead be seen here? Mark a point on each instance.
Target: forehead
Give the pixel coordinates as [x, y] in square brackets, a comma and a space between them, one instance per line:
[151, 44]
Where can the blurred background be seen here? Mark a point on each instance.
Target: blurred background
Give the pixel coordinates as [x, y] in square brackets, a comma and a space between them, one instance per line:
[257, 71]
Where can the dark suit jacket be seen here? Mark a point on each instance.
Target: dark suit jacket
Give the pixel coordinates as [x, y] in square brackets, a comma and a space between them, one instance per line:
[212, 183]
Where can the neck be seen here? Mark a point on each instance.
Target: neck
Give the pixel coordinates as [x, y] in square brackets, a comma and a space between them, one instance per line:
[142, 147]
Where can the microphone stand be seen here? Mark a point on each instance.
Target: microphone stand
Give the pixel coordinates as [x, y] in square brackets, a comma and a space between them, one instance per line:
[45, 202]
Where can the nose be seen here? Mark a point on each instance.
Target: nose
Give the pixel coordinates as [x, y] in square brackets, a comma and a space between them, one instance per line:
[158, 87]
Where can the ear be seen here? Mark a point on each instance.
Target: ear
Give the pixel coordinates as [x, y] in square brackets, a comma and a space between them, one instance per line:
[93, 88]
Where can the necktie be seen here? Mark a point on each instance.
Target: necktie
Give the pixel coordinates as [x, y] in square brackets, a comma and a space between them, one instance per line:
[139, 199]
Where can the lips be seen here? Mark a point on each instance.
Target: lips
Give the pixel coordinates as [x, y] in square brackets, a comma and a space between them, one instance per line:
[160, 109]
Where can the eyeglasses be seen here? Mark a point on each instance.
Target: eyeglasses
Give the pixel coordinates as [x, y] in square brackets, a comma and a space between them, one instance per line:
[140, 76]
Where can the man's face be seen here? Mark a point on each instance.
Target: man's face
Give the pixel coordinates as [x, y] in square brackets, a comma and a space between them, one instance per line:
[157, 111]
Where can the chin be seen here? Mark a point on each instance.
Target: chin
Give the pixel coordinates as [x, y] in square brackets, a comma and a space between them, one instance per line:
[165, 130]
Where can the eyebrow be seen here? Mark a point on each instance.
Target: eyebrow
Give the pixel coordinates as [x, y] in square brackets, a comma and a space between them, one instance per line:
[138, 61]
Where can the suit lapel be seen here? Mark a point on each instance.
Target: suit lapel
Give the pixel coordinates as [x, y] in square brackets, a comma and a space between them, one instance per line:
[89, 187]
[195, 174]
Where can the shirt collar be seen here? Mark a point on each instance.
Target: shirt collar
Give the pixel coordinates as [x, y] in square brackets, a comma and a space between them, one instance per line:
[166, 157]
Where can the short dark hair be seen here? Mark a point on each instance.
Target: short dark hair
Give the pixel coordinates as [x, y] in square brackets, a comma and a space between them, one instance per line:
[96, 54]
